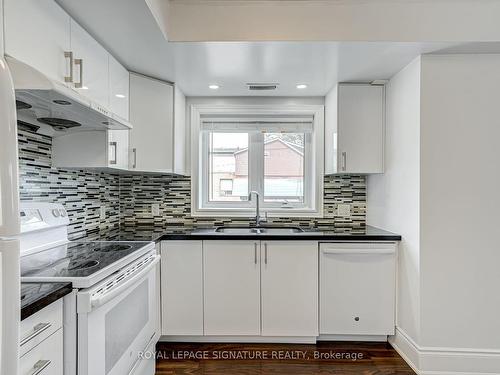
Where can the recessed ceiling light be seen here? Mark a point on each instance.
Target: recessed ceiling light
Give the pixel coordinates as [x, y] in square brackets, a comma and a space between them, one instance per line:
[121, 96]
[301, 86]
[84, 88]
[213, 87]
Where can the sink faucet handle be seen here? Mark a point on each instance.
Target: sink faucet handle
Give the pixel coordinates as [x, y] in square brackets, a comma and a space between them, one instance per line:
[264, 219]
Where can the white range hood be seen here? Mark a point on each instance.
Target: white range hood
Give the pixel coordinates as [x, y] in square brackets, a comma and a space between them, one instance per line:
[41, 100]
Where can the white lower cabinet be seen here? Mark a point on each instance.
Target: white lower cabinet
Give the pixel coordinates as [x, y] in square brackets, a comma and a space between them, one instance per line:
[182, 288]
[277, 289]
[357, 288]
[41, 345]
[289, 288]
[46, 358]
[231, 287]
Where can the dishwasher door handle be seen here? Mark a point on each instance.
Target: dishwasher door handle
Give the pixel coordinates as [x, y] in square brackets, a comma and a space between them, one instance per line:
[344, 251]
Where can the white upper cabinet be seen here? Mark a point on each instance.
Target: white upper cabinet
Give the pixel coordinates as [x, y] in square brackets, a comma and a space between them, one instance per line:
[38, 34]
[90, 68]
[41, 34]
[92, 149]
[354, 129]
[152, 113]
[118, 89]
[289, 288]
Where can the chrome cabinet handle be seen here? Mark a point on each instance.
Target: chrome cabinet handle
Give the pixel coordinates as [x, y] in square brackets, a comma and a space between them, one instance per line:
[344, 161]
[69, 55]
[40, 366]
[38, 329]
[79, 84]
[115, 159]
[255, 252]
[265, 253]
[134, 151]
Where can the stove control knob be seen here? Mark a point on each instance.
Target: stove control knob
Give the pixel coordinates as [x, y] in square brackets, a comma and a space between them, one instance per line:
[63, 212]
[56, 213]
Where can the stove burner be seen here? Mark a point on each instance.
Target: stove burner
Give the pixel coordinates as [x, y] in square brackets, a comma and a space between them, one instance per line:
[82, 265]
[112, 247]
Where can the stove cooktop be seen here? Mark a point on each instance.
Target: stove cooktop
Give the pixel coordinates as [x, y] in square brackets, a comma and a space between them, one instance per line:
[76, 259]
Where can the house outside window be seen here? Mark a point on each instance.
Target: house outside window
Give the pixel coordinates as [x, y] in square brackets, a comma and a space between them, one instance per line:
[276, 156]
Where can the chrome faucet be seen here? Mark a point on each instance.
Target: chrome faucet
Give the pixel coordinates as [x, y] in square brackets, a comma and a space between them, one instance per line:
[258, 219]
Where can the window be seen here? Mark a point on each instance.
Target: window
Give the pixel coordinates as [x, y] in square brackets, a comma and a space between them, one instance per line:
[284, 167]
[277, 156]
[227, 173]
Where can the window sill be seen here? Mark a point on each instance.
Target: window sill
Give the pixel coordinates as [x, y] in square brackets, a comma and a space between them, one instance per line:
[250, 213]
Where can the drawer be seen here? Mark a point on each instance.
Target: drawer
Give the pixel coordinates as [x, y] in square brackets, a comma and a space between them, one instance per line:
[45, 358]
[41, 325]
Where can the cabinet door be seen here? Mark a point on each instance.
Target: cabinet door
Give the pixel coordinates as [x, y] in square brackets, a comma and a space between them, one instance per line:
[92, 73]
[289, 288]
[182, 287]
[38, 33]
[151, 113]
[357, 289]
[231, 287]
[118, 149]
[118, 88]
[360, 129]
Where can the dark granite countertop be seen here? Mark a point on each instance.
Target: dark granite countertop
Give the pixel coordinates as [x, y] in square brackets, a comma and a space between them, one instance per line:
[367, 233]
[36, 296]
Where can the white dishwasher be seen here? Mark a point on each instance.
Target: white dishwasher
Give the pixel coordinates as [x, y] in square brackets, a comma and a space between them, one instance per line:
[357, 288]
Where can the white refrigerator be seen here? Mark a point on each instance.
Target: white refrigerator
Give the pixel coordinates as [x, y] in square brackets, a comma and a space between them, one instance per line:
[9, 226]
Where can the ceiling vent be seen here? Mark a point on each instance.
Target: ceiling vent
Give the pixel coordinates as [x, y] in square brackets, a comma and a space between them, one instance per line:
[262, 86]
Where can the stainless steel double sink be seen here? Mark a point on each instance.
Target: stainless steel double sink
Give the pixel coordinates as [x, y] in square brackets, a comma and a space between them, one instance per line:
[259, 230]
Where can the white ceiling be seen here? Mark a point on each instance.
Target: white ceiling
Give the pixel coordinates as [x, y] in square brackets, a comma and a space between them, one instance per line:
[128, 30]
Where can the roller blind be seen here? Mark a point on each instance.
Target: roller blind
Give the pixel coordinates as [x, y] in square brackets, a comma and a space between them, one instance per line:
[300, 124]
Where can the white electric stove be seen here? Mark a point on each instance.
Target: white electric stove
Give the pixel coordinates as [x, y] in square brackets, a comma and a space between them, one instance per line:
[111, 317]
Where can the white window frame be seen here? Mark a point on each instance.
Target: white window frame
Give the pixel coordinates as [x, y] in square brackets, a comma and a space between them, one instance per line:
[314, 162]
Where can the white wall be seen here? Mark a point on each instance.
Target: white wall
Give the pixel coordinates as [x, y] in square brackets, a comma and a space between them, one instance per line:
[353, 20]
[441, 192]
[180, 153]
[2, 50]
[460, 202]
[393, 197]
[331, 113]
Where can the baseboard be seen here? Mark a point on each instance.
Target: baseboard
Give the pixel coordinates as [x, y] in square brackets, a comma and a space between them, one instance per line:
[242, 339]
[445, 361]
[364, 338]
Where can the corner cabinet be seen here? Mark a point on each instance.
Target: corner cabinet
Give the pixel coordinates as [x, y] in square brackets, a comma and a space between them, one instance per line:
[155, 143]
[355, 129]
[357, 288]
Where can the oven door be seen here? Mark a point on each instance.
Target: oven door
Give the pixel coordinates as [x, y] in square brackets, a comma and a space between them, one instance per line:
[117, 319]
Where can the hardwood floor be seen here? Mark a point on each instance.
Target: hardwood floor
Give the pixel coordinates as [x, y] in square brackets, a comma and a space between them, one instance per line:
[360, 358]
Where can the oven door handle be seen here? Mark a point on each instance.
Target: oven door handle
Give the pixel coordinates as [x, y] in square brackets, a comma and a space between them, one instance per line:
[127, 284]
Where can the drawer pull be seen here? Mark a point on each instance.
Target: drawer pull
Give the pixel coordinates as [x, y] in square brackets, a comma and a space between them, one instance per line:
[37, 330]
[40, 366]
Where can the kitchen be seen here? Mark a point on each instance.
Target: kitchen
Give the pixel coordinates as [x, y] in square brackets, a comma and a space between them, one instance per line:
[281, 183]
